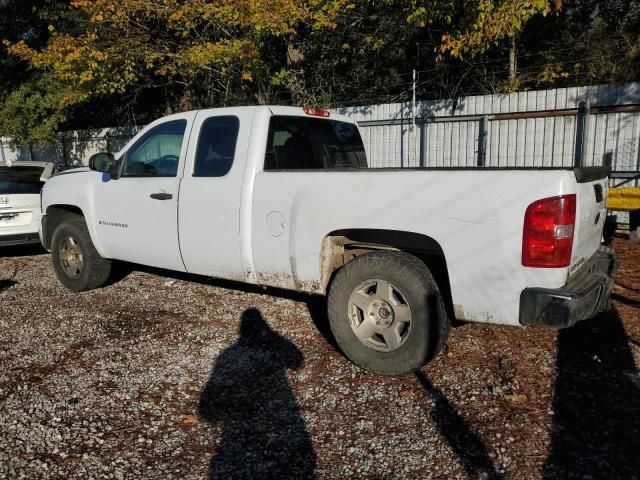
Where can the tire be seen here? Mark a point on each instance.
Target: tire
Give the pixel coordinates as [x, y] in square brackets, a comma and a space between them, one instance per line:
[396, 346]
[88, 270]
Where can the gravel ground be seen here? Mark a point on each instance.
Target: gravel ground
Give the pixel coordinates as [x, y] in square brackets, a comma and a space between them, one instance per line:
[164, 376]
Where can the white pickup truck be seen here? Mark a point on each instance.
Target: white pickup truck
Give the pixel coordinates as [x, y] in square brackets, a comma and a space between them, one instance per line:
[282, 197]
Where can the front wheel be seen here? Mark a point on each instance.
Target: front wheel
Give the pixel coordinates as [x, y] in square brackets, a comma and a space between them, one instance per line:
[77, 263]
[386, 313]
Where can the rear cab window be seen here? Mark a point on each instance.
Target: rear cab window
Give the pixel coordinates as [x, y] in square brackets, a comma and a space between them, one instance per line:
[20, 180]
[302, 143]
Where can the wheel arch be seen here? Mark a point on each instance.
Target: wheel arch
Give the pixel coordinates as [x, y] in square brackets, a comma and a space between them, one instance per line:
[55, 215]
[339, 247]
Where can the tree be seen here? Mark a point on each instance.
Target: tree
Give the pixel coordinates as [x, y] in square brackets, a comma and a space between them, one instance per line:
[198, 53]
[204, 48]
[493, 22]
[147, 59]
[28, 110]
[594, 41]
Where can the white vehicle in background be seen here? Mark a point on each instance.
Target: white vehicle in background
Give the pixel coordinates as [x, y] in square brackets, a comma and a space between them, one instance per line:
[282, 197]
[20, 210]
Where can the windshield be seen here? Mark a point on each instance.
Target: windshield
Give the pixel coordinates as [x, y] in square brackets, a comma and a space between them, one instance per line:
[17, 180]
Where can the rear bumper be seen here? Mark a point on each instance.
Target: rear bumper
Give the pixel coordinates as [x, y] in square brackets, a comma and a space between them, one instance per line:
[585, 294]
[19, 239]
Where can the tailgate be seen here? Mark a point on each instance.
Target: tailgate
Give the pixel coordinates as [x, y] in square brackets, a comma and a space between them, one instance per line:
[591, 210]
[18, 210]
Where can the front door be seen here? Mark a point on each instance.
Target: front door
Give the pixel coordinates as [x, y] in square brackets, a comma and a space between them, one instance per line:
[137, 214]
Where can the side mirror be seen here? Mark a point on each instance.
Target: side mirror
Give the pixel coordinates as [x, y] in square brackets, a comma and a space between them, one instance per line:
[103, 162]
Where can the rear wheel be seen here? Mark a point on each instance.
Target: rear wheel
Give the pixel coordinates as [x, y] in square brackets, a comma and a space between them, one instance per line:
[77, 264]
[386, 312]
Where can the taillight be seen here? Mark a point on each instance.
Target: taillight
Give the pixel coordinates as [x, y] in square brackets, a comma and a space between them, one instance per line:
[548, 232]
[316, 112]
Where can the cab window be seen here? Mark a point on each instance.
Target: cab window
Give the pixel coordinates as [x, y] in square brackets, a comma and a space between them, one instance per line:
[295, 143]
[216, 146]
[157, 153]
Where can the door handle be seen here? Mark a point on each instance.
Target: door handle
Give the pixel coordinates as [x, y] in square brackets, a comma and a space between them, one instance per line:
[161, 196]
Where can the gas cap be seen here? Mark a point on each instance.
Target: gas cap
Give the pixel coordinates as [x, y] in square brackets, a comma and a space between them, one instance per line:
[276, 223]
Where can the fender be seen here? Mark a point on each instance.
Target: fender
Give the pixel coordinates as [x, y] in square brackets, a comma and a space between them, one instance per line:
[73, 188]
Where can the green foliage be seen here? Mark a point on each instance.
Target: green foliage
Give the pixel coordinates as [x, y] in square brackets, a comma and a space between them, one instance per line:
[493, 21]
[87, 63]
[371, 49]
[592, 41]
[34, 111]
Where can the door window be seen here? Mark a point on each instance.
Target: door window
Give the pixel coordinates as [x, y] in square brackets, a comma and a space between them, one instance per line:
[157, 153]
[216, 146]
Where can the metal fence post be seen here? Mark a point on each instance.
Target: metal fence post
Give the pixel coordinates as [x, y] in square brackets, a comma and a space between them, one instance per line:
[581, 133]
[423, 142]
[482, 140]
[65, 157]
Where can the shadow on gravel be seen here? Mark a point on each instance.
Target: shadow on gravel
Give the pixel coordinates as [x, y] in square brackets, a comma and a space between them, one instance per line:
[264, 435]
[119, 271]
[625, 300]
[5, 284]
[627, 287]
[316, 304]
[22, 251]
[596, 421]
[468, 447]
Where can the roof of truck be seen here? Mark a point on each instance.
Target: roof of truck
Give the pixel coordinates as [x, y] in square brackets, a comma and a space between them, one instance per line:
[304, 112]
[285, 110]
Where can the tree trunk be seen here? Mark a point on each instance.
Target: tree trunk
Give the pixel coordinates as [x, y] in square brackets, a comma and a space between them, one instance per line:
[295, 58]
[513, 58]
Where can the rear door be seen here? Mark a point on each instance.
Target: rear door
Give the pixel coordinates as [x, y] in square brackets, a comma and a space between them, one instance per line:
[210, 193]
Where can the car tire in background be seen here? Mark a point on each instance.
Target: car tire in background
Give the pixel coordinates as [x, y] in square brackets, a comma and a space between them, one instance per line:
[77, 263]
[386, 312]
